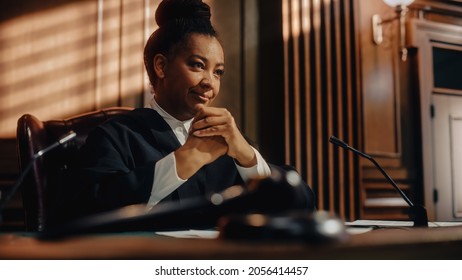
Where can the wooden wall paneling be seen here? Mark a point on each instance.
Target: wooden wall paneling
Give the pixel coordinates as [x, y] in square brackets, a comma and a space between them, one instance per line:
[47, 61]
[66, 58]
[122, 33]
[108, 54]
[382, 114]
[131, 76]
[319, 67]
[380, 98]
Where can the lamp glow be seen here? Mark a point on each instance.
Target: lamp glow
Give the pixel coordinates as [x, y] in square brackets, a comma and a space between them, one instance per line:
[394, 3]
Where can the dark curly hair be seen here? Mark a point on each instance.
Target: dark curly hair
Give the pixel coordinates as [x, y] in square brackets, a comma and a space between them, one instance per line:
[177, 19]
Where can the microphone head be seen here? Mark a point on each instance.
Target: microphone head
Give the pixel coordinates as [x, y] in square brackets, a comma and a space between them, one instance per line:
[334, 140]
[66, 138]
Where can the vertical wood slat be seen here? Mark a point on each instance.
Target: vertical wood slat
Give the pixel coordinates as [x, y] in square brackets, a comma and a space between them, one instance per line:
[295, 22]
[322, 99]
[357, 85]
[339, 107]
[352, 173]
[319, 106]
[306, 27]
[329, 105]
[286, 39]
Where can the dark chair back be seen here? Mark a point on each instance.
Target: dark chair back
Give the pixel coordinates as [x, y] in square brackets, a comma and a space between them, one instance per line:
[41, 186]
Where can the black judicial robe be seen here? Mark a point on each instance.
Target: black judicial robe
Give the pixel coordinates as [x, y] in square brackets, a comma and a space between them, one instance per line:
[117, 165]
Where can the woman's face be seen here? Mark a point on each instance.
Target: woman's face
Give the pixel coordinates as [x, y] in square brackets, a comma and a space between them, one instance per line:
[191, 77]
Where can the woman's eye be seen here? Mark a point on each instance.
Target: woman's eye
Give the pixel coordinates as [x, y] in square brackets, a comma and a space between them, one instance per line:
[198, 65]
[220, 72]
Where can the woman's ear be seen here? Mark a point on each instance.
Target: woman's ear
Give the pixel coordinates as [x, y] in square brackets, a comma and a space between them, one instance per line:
[160, 62]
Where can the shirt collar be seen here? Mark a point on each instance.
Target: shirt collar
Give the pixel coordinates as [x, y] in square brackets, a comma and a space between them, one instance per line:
[172, 121]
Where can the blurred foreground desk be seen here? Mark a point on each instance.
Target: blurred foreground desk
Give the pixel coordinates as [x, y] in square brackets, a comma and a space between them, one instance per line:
[396, 243]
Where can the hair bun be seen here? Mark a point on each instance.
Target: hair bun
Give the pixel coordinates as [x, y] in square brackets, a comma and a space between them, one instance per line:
[170, 10]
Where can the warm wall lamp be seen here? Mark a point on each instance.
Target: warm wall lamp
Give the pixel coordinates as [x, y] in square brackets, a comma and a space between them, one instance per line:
[377, 23]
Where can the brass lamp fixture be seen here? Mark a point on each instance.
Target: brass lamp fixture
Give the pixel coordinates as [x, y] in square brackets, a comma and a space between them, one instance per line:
[378, 22]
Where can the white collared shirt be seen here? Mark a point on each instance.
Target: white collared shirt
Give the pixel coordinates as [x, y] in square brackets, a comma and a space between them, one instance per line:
[166, 178]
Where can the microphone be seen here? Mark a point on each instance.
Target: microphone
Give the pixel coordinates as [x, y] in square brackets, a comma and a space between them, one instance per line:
[417, 213]
[66, 138]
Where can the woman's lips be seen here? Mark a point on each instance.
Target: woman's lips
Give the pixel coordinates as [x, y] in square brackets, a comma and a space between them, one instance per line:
[201, 97]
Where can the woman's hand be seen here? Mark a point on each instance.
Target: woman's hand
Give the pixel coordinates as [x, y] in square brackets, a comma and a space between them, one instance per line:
[197, 152]
[214, 122]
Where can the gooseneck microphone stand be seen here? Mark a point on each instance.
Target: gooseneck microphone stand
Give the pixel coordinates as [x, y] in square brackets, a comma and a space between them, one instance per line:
[417, 213]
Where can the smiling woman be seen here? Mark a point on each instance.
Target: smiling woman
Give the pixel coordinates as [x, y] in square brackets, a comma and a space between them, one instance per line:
[180, 146]
[189, 78]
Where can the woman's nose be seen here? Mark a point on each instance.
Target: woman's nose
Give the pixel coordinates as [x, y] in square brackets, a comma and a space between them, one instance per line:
[207, 82]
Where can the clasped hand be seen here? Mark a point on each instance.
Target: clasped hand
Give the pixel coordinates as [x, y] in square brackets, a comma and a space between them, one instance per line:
[213, 133]
[211, 123]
